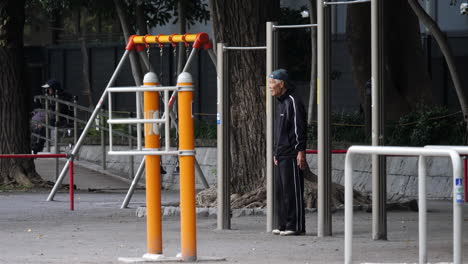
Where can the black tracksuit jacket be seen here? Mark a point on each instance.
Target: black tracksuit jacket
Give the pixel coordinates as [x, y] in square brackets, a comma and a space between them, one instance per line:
[290, 126]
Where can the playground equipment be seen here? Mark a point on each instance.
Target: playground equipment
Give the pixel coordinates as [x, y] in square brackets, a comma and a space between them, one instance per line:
[324, 140]
[223, 138]
[323, 102]
[152, 150]
[422, 153]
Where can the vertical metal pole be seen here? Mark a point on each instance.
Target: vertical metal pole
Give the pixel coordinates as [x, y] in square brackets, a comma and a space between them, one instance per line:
[465, 179]
[102, 123]
[135, 181]
[219, 134]
[422, 210]
[138, 116]
[226, 141]
[348, 229]
[223, 218]
[56, 135]
[130, 146]
[75, 122]
[379, 214]
[457, 210]
[212, 57]
[47, 131]
[324, 227]
[187, 168]
[153, 168]
[270, 63]
[109, 102]
[167, 126]
[71, 184]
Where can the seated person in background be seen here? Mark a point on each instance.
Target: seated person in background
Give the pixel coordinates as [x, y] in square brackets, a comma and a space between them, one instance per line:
[39, 117]
[53, 87]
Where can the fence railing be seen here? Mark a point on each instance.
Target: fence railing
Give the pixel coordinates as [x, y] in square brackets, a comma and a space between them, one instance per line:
[74, 122]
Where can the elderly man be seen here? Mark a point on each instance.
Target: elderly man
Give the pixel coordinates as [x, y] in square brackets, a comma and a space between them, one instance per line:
[290, 145]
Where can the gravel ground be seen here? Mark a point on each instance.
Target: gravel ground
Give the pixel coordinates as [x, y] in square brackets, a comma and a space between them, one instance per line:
[35, 231]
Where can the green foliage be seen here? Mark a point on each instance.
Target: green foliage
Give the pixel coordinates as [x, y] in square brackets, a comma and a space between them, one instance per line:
[428, 126]
[205, 129]
[346, 128]
[156, 12]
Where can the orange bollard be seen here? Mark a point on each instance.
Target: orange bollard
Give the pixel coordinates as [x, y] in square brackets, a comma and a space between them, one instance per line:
[153, 169]
[187, 168]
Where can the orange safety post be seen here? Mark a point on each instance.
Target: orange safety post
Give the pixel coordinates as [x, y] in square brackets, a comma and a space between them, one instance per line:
[187, 168]
[153, 171]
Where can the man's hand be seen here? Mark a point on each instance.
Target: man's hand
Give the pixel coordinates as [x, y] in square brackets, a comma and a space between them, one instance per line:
[301, 161]
[274, 159]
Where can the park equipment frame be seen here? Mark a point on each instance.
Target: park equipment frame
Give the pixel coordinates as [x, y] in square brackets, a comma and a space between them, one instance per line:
[324, 227]
[422, 153]
[223, 137]
[186, 140]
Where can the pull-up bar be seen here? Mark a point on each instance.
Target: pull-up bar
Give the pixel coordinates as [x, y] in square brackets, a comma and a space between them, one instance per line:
[245, 48]
[200, 40]
[295, 26]
[346, 2]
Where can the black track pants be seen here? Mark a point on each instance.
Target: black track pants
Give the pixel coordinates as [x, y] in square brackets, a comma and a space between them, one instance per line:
[289, 192]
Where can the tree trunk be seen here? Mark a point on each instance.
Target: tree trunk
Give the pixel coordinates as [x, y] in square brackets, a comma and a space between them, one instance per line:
[313, 61]
[14, 99]
[182, 30]
[242, 23]
[407, 82]
[142, 31]
[79, 17]
[446, 51]
[134, 61]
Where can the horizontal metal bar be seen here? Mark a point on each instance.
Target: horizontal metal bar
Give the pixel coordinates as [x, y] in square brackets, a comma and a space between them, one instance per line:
[245, 48]
[346, 2]
[406, 151]
[142, 89]
[295, 26]
[134, 121]
[10, 156]
[462, 150]
[338, 151]
[142, 152]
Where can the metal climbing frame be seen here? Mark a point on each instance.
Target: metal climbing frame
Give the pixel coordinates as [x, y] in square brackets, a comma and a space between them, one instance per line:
[186, 150]
[324, 223]
[223, 137]
[138, 43]
[422, 153]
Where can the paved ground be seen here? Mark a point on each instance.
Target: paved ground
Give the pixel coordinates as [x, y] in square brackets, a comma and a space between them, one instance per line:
[35, 231]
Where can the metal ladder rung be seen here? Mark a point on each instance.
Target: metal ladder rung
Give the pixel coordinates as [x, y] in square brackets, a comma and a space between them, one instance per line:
[144, 152]
[134, 121]
[141, 89]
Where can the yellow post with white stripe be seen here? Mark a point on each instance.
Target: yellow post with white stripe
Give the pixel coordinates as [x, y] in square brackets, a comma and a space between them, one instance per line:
[153, 169]
[187, 168]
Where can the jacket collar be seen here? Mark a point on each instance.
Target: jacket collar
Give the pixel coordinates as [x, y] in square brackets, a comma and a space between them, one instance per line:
[285, 95]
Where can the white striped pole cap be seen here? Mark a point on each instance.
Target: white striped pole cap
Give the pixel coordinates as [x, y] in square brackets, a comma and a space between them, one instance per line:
[185, 78]
[185, 81]
[151, 77]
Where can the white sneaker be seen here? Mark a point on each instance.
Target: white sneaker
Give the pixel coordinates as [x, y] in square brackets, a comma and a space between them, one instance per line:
[276, 232]
[288, 233]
